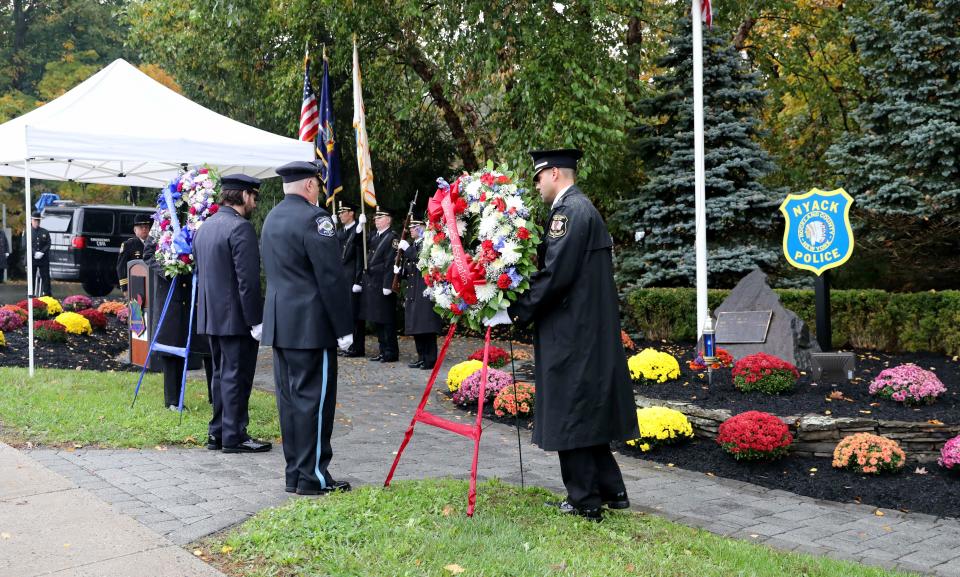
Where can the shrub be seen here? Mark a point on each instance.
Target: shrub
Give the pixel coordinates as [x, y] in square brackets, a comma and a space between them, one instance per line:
[907, 384]
[497, 359]
[112, 307]
[77, 303]
[506, 403]
[17, 310]
[950, 454]
[75, 324]
[724, 360]
[868, 453]
[652, 365]
[461, 371]
[39, 309]
[98, 320]
[755, 435]
[10, 321]
[53, 305]
[49, 331]
[764, 373]
[660, 426]
[469, 391]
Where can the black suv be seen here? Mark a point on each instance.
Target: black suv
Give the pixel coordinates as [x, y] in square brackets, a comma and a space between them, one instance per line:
[85, 242]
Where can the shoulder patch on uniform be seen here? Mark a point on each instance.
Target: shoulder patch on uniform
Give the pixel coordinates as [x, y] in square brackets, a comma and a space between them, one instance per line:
[325, 226]
[558, 226]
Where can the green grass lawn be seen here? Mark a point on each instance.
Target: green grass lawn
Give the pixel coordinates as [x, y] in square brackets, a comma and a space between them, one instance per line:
[90, 408]
[420, 528]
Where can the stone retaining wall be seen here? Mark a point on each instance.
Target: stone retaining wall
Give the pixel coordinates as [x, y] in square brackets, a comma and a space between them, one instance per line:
[817, 435]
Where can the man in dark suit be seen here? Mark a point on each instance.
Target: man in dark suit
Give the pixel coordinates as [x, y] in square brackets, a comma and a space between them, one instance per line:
[419, 318]
[230, 310]
[306, 317]
[379, 302]
[132, 248]
[351, 251]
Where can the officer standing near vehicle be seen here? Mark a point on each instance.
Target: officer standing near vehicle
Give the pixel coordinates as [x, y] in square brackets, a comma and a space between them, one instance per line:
[351, 251]
[379, 302]
[41, 261]
[230, 310]
[306, 318]
[584, 397]
[132, 248]
[419, 318]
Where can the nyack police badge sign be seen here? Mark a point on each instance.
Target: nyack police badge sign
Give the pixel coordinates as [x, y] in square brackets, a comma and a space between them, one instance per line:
[817, 236]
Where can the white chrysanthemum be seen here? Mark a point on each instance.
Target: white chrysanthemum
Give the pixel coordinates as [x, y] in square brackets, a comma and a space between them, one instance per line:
[474, 207]
[510, 189]
[440, 258]
[514, 202]
[489, 209]
[518, 222]
[504, 230]
[510, 252]
[461, 228]
[473, 189]
[428, 293]
[442, 300]
[488, 224]
[486, 291]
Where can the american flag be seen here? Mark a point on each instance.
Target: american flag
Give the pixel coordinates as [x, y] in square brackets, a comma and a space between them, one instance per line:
[309, 112]
[706, 12]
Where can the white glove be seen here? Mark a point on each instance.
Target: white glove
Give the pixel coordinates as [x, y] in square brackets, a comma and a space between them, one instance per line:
[396, 270]
[344, 342]
[38, 255]
[501, 318]
[387, 292]
[256, 331]
[404, 245]
[356, 288]
[361, 221]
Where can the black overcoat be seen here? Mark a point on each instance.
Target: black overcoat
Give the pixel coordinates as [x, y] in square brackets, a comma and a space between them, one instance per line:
[584, 395]
[419, 318]
[351, 254]
[4, 250]
[307, 304]
[381, 254]
[131, 249]
[173, 331]
[227, 256]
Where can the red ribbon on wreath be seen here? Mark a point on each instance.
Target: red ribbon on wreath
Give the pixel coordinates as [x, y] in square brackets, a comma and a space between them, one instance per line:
[464, 274]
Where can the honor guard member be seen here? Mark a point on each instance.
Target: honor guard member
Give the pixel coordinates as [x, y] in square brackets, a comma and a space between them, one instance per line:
[230, 310]
[306, 317]
[132, 248]
[351, 251]
[379, 302]
[419, 318]
[584, 396]
[41, 263]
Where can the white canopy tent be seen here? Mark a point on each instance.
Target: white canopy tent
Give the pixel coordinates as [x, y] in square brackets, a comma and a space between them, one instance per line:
[122, 127]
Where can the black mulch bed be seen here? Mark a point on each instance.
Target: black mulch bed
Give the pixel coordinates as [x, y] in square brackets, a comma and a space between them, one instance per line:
[97, 352]
[810, 397]
[936, 493]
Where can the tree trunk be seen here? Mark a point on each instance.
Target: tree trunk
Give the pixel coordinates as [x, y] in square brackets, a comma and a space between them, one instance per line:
[633, 41]
[740, 39]
[19, 43]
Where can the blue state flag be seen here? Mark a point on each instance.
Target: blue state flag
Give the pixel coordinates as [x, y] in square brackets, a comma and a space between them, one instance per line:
[817, 235]
[328, 149]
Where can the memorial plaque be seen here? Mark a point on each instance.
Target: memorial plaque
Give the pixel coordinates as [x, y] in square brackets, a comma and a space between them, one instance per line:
[743, 327]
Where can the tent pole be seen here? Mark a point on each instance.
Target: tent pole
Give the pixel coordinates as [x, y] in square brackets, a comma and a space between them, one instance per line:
[29, 249]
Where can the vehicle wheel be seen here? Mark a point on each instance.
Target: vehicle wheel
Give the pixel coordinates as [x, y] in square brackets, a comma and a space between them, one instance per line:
[97, 288]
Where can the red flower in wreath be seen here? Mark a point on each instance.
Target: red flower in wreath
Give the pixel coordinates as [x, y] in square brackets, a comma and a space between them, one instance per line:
[439, 237]
[487, 179]
[522, 233]
[213, 209]
[504, 281]
[499, 203]
[502, 179]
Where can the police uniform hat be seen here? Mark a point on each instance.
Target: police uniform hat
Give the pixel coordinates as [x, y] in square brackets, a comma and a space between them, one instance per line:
[142, 219]
[414, 222]
[298, 170]
[36, 214]
[381, 212]
[561, 158]
[346, 207]
[240, 182]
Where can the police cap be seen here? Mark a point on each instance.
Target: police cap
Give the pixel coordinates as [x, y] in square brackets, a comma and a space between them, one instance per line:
[142, 219]
[381, 212]
[561, 158]
[240, 182]
[36, 214]
[346, 207]
[298, 170]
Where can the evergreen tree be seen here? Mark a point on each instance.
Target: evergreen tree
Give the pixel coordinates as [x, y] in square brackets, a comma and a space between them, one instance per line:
[901, 167]
[741, 212]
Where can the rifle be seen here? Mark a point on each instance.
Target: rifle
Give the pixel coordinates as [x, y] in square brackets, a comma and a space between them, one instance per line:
[395, 286]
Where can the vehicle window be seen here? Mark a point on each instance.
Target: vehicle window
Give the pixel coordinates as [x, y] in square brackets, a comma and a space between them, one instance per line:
[56, 221]
[97, 222]
[126, 222]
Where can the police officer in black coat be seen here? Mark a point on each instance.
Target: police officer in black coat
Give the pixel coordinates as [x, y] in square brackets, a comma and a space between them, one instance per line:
[306, 318]
[230, 310]
[41, 261]
[379, 302]
[173, 331]
[419, 320]
[132, 248]
[584, 397]
[351, 253]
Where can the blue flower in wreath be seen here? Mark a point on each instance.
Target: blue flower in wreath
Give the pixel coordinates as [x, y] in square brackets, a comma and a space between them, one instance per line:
[183, 241]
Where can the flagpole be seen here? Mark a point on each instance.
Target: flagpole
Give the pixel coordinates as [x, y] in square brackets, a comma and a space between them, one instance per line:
[699, 170]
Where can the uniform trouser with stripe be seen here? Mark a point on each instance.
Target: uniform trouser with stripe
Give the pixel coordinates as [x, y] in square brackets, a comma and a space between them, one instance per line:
[234, 366]
[591, 475]
[306, 381]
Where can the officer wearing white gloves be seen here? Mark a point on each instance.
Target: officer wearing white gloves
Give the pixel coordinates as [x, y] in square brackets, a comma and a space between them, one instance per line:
[379, 302]
[41, 264]
[351, 257]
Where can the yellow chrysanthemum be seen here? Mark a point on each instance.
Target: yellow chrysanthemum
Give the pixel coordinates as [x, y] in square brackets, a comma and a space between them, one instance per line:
[76, 324]
[53, 305]
[461, 371]
[660, 425]
[3, 340]
[652, 365]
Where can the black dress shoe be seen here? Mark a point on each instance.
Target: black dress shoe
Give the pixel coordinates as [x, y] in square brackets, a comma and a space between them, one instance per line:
[427, 367]
[353, 354]
[415, 364]
[249, 446]
[389, 359]
[618, 501]
[213, 443]
[376, 359]
[336, 486]
[289, 489]
[594, 514]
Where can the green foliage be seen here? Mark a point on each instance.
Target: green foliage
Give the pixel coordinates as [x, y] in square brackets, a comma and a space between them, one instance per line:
[778, 381]
[868, 319]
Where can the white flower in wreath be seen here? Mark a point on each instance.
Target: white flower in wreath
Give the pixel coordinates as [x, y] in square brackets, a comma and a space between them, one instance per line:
[486, 291]
[514, 202]
[510, 189]
[488, 224]
[474, 207]
[440, 258]
[473, 190]
[510, 253]
[442, 300]
[505, 230]
[461, 228]
[520, 222]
